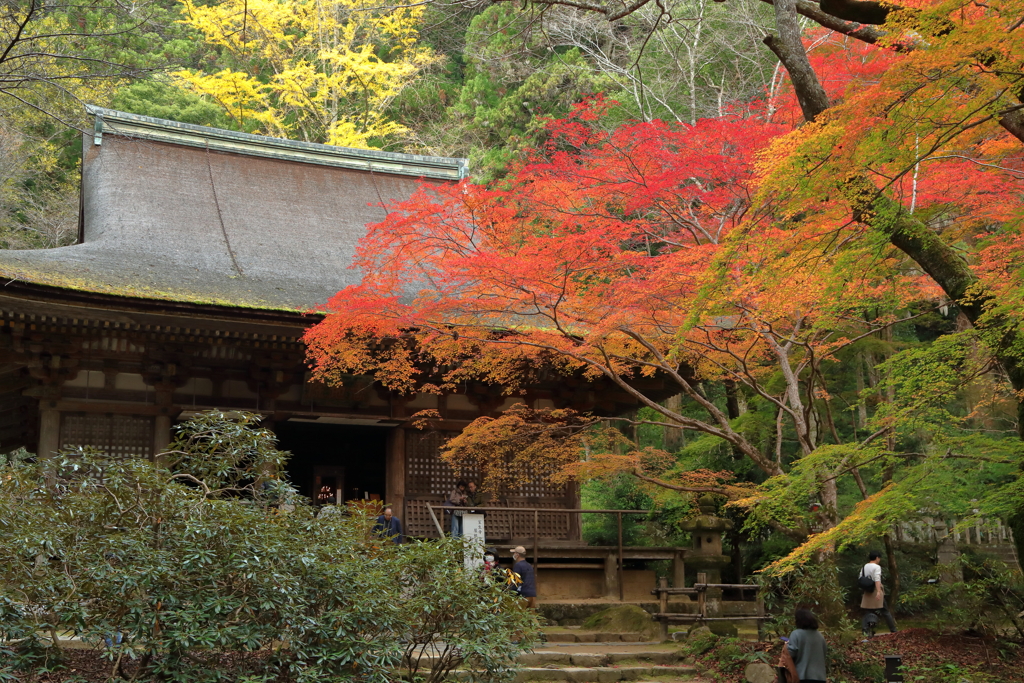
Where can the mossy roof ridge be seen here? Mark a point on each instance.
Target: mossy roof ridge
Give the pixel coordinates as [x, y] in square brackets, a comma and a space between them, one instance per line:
[15, 266]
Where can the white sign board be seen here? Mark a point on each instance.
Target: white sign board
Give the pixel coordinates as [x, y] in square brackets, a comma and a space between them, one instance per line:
[473, 533]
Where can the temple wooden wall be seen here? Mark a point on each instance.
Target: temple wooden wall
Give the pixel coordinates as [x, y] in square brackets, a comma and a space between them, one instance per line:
[73, 373]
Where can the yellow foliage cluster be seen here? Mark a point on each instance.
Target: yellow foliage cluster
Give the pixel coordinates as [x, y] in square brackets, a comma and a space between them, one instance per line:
[320, 70]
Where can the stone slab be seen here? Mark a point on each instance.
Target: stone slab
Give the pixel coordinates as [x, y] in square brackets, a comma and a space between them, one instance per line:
[759, 672]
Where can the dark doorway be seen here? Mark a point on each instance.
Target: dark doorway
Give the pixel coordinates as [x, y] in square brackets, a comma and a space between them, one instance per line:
[335, 462]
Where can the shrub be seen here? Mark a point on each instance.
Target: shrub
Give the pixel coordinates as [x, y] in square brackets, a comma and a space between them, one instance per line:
[991, 595]
[196, 558]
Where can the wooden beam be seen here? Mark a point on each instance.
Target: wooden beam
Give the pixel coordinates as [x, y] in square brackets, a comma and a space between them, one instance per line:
[109, 407]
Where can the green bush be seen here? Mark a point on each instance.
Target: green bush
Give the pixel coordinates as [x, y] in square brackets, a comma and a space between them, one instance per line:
[699, 641]
[990, 597]
[208, 555]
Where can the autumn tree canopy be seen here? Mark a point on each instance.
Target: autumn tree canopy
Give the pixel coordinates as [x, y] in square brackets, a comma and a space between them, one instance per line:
[753, 250]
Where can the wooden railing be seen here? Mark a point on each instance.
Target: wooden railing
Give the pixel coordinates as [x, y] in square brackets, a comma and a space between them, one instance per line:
[536, 526]
[700, 589]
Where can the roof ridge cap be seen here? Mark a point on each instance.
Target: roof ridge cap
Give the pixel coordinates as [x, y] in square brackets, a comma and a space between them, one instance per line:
[124, 124]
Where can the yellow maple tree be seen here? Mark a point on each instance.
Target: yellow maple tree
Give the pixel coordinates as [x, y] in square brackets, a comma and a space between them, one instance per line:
[319, 70]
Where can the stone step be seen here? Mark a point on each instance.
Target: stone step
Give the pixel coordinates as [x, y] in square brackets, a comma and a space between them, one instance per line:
[542, 657]
[549, 659]
[592, 637]
[605, 674]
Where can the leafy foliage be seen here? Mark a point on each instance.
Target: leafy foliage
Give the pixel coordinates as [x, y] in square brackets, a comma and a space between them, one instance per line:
[753, 252]
[179, 568]
[324, 72]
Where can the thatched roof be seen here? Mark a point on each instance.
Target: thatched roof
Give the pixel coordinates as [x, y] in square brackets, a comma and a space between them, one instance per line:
[192, 214]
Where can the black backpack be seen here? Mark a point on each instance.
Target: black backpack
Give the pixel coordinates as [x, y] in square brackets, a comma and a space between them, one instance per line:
[865, 582]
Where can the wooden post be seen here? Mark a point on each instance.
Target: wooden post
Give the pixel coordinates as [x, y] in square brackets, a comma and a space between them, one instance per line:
[663, 606]
[394, 472]
[678, 571]
[430, 509]
[702, 603]
[621, 589]
[673, 436]
[161, 437]
[49, 440]
[536, 524]
[49, 433]
[760, 616]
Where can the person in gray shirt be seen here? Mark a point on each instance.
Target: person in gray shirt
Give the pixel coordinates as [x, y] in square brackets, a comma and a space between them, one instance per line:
[807, 648]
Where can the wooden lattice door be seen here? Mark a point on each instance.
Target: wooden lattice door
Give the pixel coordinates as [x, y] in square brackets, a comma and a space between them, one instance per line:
[119, 436]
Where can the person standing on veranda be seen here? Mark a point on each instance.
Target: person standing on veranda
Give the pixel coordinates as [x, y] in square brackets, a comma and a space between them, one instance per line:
[873, 601]
[456, 504]
[474, 497]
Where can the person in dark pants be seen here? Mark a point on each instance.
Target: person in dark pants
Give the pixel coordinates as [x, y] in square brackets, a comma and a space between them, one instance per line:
[388, 526]
[528, 587]
[873, 602]
[807, 649]
[455, 503]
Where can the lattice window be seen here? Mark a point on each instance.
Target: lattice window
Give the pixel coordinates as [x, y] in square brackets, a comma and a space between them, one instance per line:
[120, 436]
[426, 473]
[429, 480]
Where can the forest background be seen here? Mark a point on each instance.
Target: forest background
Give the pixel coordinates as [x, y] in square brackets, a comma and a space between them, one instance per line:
[840, 227]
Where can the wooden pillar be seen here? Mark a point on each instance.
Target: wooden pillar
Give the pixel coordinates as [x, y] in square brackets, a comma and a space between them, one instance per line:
[161, 436]
[164, 385]
[678, 571]
[575, 530]
[49, 432]
[394, 469]
[618, 519]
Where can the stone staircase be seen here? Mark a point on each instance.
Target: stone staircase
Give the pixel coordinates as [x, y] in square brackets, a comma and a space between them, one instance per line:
[604, 662]
[601, 658]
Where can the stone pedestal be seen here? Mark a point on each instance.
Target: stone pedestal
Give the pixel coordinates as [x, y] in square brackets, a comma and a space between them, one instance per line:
[946, 554]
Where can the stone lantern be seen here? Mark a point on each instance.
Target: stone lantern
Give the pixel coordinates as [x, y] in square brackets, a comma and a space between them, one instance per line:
[706, 557]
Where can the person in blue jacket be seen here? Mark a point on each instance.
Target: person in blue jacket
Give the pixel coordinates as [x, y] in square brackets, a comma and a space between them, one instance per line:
[807, 649]
[528, 586]
[388, 526]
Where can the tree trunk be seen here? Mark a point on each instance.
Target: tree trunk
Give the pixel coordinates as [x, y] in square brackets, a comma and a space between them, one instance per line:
[894, 569]
[945, 265]
[674, 437]
[732, 407]
[903, 230]
[789, 48]
[862, 407]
